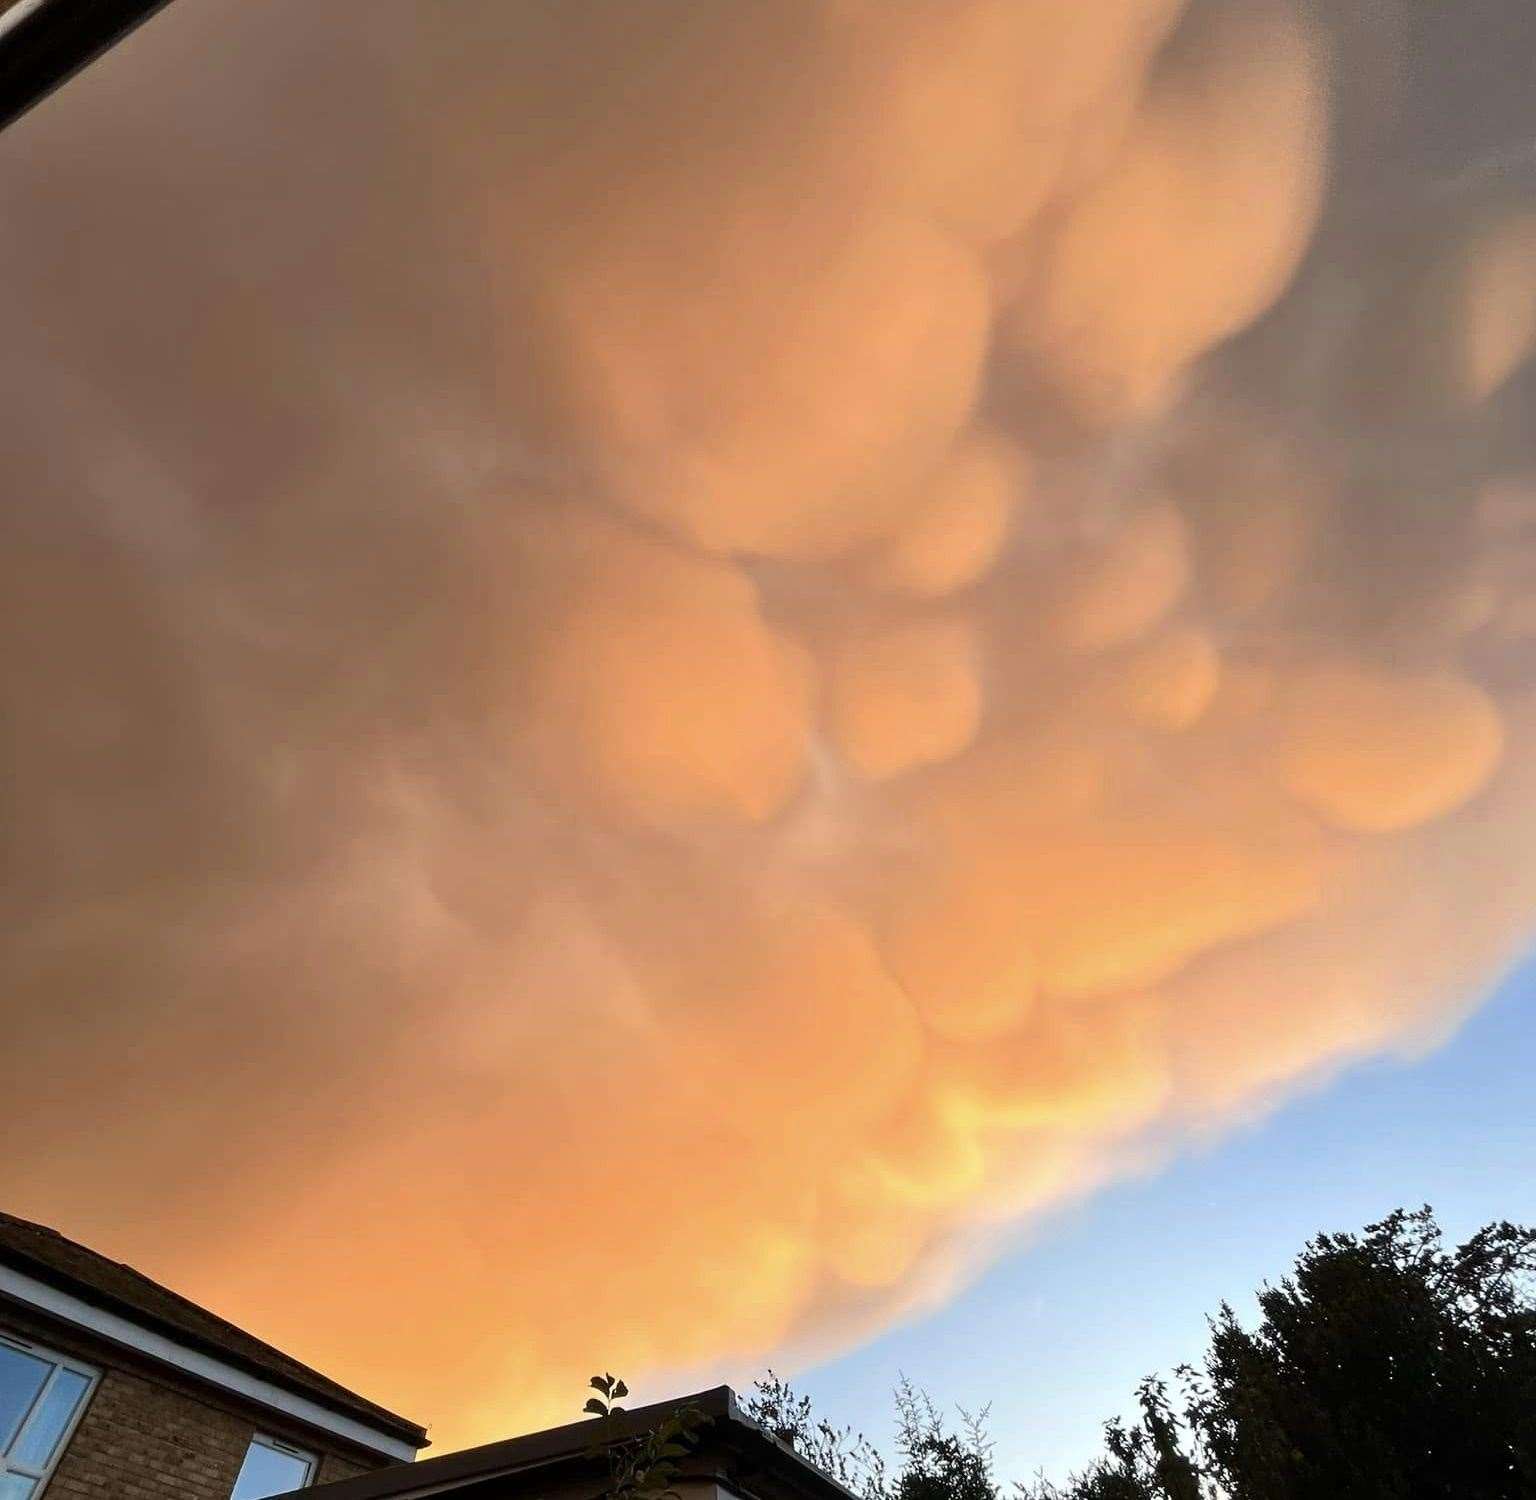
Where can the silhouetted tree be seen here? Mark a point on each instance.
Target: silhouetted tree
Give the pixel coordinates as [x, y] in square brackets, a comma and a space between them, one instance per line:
[848, 1456]
[936, 1463]
[1383, 1368]
[1145, 1461]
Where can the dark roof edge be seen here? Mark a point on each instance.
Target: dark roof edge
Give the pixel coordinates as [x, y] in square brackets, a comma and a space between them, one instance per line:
[576, 1441]
[359, 1409]
[44, 48]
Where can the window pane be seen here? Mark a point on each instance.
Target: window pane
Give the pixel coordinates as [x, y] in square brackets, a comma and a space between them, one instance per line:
[267, 1471]
[14, 1487]
[35, 1450]
[21, 1378]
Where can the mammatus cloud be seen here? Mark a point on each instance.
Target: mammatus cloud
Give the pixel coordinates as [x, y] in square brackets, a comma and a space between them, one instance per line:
[666, 664]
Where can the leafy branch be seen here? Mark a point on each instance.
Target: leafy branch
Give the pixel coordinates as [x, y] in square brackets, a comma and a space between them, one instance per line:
[645, 1466]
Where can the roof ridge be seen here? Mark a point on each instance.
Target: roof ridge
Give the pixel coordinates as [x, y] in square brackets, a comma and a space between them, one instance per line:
[33, 1224]
[197, 1307]
[92, 1275]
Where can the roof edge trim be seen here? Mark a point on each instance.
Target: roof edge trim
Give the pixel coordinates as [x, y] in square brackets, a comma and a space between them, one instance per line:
[119, 1330]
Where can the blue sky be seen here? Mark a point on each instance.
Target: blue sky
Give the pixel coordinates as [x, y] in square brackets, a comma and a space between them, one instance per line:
[1058, 1333]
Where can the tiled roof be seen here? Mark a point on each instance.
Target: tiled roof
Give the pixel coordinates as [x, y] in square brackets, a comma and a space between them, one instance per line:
[48, 1256]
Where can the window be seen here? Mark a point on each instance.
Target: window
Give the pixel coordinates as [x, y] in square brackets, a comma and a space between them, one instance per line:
[41, 1397]
[270, 1468]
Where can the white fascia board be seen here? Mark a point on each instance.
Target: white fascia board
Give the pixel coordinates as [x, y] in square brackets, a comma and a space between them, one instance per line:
[119, 1330]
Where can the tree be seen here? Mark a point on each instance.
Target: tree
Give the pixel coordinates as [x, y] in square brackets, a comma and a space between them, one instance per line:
[848, 1456]
[1145, 1461]
[1385, 1367]
[936, 1464]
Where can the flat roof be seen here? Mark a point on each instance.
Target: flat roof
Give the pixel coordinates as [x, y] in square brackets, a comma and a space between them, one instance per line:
[578, 1443]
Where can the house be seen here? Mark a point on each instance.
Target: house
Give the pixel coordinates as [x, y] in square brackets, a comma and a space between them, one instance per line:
[114, 1386]
[731, 1458]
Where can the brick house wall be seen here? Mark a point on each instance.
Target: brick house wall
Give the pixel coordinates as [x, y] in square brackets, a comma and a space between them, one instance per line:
[148, 1434]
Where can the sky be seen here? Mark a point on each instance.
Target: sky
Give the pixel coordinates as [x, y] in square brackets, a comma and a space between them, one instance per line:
[1057, 1335]
[675, 674]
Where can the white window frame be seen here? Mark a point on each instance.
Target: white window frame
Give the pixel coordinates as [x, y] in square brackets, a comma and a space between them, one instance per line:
[59, 1362]
[278, 1445]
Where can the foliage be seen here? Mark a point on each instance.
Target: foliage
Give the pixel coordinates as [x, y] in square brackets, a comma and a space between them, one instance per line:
[644, 1466]
[610, 1390]
[1145, 1460]
[848, 1456]
[936, 1464]
[1385, 1367]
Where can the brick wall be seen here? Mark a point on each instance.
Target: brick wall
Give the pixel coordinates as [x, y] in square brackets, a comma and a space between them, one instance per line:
[150, 1434]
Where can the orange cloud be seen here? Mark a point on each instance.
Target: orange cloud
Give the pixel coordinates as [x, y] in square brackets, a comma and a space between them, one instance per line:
[667, 664]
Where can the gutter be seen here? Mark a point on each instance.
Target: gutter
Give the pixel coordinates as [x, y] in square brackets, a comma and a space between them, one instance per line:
[38, 1296]
[44, 43]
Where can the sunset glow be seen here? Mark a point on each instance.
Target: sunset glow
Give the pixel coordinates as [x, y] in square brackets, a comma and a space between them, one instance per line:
[669, 666]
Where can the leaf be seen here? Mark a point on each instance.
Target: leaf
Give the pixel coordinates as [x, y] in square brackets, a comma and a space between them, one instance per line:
[619, 1388]
[603, 1383]
[596, 1407]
